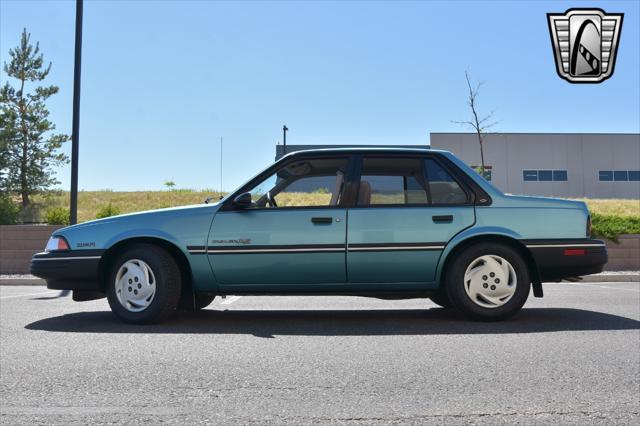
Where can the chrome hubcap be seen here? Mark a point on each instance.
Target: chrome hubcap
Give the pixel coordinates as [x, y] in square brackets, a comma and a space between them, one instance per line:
[490, 281]
[135, 285]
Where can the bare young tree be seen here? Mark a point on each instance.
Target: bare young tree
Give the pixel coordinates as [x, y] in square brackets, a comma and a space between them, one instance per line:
[479, 125]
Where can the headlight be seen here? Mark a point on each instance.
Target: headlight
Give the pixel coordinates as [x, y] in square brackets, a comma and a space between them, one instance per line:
[56, 243]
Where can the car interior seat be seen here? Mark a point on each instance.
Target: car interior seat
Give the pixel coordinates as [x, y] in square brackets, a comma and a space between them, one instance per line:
[364, 193]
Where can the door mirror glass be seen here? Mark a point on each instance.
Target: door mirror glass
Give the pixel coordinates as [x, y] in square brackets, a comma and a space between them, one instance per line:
[243, 201]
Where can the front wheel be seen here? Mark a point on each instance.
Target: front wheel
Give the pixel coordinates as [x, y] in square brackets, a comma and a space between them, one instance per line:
[144, 285]
[488, 281]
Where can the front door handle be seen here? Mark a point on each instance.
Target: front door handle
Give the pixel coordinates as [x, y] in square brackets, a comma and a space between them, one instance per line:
[321, 219]
[442, 219]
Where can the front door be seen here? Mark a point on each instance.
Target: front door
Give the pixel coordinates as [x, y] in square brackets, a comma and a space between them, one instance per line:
[293, 234]
[406, 212]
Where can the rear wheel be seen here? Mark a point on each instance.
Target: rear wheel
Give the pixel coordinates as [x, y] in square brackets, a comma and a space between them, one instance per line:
[144, 285]
[488, 281]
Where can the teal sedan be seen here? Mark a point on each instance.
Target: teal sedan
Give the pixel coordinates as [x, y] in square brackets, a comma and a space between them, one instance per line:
[384, 223]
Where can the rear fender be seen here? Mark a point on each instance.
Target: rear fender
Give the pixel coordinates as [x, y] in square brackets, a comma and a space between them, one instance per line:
[488, 233]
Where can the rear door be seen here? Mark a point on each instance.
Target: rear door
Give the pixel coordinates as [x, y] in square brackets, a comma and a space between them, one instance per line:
[407, 209]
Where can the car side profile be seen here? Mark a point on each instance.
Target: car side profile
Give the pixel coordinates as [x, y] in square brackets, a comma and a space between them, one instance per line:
[386, 223]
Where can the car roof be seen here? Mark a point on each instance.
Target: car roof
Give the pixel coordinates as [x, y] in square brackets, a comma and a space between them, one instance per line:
[363, 150]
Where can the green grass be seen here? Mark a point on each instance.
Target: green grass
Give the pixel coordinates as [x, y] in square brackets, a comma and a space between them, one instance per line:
[90, 203]
[610, 218]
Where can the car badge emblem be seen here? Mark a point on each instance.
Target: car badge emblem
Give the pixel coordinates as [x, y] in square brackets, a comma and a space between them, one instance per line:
[585, 43]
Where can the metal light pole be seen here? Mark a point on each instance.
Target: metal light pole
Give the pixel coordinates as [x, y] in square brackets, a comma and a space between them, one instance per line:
[75, 132]
[284, 138]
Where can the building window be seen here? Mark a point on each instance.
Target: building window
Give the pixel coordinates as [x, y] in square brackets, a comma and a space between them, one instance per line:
[544, 175]
[605, 175]
[619, 175]
[487, 171]
[560, 175]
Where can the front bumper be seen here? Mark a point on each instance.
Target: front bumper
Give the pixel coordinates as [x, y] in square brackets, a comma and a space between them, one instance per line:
[558, 259]
[69, 269]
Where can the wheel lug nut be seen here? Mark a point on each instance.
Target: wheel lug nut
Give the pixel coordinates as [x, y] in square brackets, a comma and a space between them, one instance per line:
[485, 285]
[497, 280]
[135, 279]
[484, 277]
[493, 287]
[492, 275]
[130, 281]
[139, 285]
[135, 292]
[129, 288]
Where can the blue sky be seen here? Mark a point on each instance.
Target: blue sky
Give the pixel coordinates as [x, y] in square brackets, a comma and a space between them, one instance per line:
[162, 81]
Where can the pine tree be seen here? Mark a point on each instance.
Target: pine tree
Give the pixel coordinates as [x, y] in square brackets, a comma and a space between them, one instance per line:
[28, 146]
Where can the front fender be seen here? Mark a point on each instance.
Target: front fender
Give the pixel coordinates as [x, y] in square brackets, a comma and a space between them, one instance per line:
[144, 233]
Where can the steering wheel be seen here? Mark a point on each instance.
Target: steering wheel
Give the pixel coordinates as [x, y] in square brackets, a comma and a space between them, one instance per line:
[271, 200]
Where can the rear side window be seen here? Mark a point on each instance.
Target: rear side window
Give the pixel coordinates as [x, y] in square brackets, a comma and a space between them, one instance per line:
[442, 186]
[394, 181]
[407, 181]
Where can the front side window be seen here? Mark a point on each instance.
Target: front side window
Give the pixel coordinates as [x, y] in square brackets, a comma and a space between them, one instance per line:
[304, 183]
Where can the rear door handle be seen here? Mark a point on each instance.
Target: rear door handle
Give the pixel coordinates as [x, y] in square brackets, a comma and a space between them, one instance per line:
[443, 218]
[321, 219]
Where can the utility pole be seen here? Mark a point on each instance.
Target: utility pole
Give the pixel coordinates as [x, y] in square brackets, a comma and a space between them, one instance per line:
[75, 131]
[221, 141]
[284, 138]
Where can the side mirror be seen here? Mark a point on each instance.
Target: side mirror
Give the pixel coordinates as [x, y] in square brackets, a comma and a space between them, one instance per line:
[243, 201]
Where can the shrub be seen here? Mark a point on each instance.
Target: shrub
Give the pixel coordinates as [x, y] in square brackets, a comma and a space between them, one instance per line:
[58, 216]
[9, 211]
[107, 211]
[610, 226]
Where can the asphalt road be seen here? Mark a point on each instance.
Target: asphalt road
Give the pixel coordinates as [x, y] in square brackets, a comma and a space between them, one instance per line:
[572, 357]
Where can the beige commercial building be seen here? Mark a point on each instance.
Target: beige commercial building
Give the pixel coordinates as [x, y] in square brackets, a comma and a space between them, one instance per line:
[573, 165]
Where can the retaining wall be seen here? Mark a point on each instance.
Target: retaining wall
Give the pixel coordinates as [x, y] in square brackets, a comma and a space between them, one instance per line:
[19, 242]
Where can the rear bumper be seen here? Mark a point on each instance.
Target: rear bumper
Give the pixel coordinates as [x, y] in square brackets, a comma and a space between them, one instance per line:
[68, 270]
[558, 259]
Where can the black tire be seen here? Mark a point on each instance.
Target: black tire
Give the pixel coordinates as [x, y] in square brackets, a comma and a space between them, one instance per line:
[202, 300]
[167, 284]
[462, 302]
[441, 300]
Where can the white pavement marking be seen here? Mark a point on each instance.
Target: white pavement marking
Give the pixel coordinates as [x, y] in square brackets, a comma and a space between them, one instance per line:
[28, 294]
[230, 300]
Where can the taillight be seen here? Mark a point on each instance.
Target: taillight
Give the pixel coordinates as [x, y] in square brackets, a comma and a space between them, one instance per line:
[589, 226]
[56, 243]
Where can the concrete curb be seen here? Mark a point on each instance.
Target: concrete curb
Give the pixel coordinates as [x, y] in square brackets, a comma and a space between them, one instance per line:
[611, 278]
[597, 278]
[22, 281]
